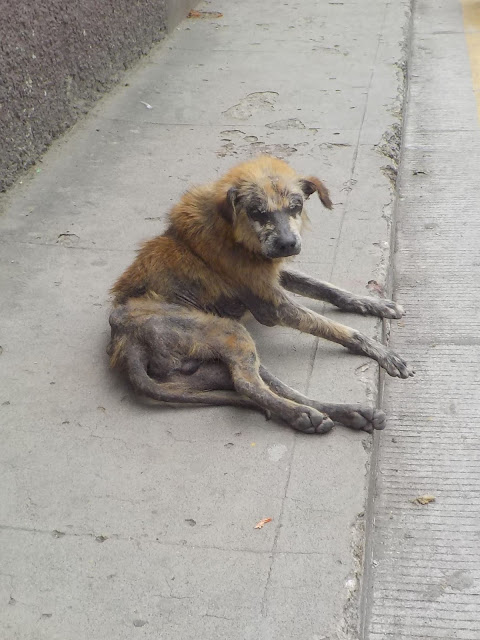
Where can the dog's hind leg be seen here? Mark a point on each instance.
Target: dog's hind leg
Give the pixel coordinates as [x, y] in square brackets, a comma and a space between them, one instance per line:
[210, 376]
[355, 416]
[238, 351]
[178, 390]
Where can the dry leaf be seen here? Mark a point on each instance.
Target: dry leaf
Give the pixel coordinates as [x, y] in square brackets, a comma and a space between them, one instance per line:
[424, 499]
[262, 523]
[204, 14]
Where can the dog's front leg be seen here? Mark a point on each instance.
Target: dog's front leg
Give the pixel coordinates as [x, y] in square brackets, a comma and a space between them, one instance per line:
[281, 310]
[304, 285]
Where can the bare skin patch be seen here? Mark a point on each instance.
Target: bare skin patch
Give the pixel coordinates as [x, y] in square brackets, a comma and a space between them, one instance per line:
[175, 328]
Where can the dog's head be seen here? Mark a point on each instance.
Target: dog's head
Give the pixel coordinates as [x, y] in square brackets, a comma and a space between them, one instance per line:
[263, 202]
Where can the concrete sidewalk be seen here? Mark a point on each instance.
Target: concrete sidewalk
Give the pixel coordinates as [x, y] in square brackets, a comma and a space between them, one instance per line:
[120, 520]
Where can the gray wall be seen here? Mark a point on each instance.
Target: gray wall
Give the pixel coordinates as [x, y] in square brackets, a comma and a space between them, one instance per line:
[57, 57]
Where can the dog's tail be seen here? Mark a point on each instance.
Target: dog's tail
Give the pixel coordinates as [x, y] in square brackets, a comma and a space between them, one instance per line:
[175, 392]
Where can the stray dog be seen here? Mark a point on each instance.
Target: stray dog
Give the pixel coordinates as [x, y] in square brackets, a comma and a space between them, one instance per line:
[176, 322]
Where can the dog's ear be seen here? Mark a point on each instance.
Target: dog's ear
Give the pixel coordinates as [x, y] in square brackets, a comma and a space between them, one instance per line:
[311, 184]
[226, 205]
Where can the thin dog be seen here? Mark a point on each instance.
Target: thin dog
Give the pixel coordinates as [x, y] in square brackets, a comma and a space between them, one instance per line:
[176, 325]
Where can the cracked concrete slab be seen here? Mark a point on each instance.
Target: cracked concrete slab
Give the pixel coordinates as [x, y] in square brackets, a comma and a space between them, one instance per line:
[122, 518]
[162, 586]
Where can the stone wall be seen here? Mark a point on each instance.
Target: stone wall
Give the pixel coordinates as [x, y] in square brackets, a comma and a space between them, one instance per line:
[57, 57]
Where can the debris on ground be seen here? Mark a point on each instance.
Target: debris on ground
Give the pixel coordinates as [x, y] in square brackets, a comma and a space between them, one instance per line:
[101, 538]
[424, 499]
[139, 623]
[262, 523]
[204, 14]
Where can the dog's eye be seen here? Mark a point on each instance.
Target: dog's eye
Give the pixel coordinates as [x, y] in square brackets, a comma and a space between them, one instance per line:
[295, 206]
[259, 215]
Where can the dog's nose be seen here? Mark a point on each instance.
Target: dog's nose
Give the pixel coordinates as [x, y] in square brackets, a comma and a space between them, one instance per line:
[288, 246]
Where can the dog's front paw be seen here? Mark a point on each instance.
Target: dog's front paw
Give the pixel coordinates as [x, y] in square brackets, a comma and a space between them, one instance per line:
[389, 309]
[380, 307]
[394, 365]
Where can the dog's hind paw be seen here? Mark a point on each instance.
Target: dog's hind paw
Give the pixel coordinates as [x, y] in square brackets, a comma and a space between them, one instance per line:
[362, 418]
[311, 421]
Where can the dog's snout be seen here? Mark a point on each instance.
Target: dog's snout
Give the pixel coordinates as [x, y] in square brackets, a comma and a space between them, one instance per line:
[288, 246]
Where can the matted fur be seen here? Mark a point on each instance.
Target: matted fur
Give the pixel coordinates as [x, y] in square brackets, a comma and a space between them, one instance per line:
[176, 326]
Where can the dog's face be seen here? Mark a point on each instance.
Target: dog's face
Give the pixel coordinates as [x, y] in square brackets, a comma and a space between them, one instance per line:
[272, 218]
[265, 206]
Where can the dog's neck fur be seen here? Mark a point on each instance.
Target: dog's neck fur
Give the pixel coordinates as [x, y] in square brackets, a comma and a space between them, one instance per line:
[198, 222]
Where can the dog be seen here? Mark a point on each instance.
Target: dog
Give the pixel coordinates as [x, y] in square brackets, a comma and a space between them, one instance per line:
[176, 322]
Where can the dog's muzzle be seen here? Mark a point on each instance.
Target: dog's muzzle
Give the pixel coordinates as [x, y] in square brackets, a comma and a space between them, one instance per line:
[285, 246]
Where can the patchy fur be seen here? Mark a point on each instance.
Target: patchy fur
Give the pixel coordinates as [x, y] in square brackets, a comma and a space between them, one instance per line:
[175, 324]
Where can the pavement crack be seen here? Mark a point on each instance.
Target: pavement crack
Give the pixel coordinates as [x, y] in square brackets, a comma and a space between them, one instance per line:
[11, 587]
[171, 596]
[59, 247]
[211, 615]
[58, 534]
[264, 608]
[303, 505]
[101, 437]
[175, 439]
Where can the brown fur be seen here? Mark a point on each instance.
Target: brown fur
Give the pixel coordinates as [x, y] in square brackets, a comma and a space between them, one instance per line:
[175, 323]
[202, 245]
